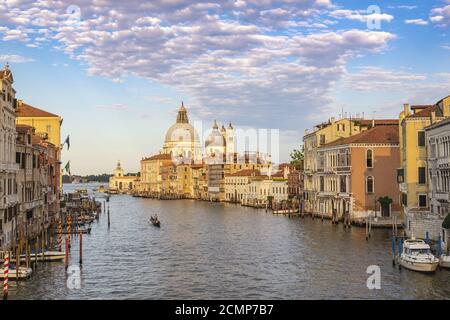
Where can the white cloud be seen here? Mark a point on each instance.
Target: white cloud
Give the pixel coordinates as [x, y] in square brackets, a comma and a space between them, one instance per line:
[441, 16]
[14, 58]
[418, 22]
[225, 56]
[361, 15]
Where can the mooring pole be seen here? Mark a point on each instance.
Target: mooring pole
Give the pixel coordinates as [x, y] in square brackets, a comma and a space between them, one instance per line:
[5, 275]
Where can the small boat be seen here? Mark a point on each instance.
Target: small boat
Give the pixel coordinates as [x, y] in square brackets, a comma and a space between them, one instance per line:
[24, 273]
[416, 255]
[445, 261]
[155, 221]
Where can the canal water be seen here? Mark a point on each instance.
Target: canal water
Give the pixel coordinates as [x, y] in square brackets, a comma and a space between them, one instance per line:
[209, 250]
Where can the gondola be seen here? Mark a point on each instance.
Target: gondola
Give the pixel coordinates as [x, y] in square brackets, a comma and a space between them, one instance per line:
[155, 221]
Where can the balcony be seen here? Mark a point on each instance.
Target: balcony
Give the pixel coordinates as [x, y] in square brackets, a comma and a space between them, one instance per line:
[8, 166]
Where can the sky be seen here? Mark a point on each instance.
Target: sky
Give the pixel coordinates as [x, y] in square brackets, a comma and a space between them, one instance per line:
[118, 71]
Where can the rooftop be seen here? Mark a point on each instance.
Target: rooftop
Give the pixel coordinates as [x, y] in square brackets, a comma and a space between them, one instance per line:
[376, 135]
[25, 110]
[161, 156]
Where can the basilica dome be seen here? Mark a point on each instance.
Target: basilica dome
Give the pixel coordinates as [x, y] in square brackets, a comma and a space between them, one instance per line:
[181, 131]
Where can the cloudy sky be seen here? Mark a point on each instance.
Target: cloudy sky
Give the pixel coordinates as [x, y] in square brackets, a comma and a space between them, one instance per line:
[117, 71]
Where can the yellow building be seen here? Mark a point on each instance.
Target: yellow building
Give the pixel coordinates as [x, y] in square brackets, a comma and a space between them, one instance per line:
[122, 183]
[154, 170]
[44, 122]
[325, 133]
[413, 173]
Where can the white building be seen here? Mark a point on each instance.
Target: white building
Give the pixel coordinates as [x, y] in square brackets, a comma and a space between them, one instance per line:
[438, 147]
[8, 167]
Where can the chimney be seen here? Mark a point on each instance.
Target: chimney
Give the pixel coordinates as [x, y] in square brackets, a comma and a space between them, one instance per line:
[373, 123]
[405, 108]
[433, 117]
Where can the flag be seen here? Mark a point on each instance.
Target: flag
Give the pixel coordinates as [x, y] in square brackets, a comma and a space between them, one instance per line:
[67, 141]
[67, 168]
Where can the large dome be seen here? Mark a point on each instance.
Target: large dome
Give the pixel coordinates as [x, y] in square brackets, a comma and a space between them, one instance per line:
[181, 132]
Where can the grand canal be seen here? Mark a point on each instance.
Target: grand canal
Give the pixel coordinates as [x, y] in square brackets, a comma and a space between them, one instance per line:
[211, 250]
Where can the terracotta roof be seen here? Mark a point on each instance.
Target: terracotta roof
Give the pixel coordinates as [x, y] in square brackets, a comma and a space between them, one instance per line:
[161, 156]
[379, 122]
[25, 110]
[246, 173]
[425, 113]
[278, 174]
[421, 106]
[378, 134]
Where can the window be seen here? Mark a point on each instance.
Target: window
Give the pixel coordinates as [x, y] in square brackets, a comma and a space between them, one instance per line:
[422, 200]
[369, 158]
[343, 183]
[422, 175]
[322, 139]
[369, 184]
[400, 175]
[322, 183]
[421, 138]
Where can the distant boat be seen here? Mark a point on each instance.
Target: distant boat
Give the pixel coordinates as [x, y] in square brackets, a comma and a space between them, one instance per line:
[155, 221]
[416, 255]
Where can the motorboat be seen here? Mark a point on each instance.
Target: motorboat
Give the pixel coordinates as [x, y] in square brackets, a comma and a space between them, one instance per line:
[24, 273]
[416, 255]
[445, 261]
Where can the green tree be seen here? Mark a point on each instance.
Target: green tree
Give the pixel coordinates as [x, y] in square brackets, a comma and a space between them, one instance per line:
[446, 222]
[297, 157]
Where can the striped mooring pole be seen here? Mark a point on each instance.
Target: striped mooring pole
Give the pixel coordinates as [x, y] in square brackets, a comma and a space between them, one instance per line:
[68, 230]
[5, 276]
[59, 235]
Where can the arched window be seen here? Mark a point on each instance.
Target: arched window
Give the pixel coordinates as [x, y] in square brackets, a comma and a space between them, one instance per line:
[370, 184]
[369, 158]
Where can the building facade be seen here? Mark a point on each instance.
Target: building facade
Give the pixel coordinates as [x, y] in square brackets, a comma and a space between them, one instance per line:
[9, 201]
[413, 177]
[122, 183]
[323, 134]
[438, 147]
[355, 172]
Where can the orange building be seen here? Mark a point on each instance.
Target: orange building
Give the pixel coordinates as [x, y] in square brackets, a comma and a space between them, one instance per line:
[355, 172]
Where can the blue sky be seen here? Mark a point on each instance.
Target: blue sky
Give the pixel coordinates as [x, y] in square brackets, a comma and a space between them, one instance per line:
[117, 71]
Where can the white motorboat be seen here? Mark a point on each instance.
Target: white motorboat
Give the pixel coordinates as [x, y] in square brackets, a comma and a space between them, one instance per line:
[416, 255]
[24, 273]
[445, 261]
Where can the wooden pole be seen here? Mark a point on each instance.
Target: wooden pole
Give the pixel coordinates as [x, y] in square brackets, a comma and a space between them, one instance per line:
[59, 236]
[109, 221]
[81, 248]
[66, 255]
[17, 263]
[36, 249]
[43, 245]
[68, 231]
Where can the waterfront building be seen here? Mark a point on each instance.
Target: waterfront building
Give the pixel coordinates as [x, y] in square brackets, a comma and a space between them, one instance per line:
[8, 167]
[153, 172]
[295, 184]
[324, 133]
[35, 196]
[264, 190]
[355, 172]
[182, 141]
[122, 183]
[412, 175]
[237, 184]
[438, 149]
[47, 126]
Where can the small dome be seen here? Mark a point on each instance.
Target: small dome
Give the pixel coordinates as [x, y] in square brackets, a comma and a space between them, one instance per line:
[215, 138]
